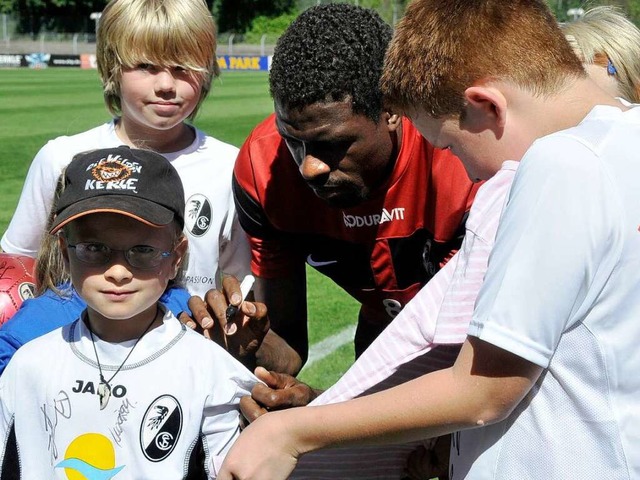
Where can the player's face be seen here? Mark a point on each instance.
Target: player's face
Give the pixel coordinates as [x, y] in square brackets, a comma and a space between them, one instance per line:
[157, 99]
[473, 149]
[115, 290]
[342, 156]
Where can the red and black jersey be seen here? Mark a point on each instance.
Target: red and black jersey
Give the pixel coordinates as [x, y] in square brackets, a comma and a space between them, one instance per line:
[382, 251]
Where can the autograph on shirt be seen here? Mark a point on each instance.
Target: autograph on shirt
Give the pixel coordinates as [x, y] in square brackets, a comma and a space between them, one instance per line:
[123, 415]
[61, 408]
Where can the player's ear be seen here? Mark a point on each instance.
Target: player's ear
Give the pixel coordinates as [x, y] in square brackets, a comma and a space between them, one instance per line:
[486, 109]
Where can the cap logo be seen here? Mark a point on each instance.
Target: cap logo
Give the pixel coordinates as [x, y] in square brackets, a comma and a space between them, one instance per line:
[113, 173]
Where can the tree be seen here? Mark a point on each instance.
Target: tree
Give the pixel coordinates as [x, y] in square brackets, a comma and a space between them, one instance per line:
[54, 15]
[633, 9]
[560, 8]
[237, 15]
[272, 27]
[390, 10]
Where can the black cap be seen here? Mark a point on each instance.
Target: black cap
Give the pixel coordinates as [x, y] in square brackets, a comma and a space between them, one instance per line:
[138, 183]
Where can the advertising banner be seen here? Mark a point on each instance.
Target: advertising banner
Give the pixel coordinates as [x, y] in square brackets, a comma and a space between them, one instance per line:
[86, 60]
[244, 62]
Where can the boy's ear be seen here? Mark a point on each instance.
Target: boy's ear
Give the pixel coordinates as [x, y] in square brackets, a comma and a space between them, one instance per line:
[486, 109]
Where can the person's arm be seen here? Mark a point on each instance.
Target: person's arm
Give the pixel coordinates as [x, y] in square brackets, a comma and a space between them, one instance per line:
[35, 201]
[38, 316]
[276, 261]
[285, 348]
[483, 387]
[254, 343]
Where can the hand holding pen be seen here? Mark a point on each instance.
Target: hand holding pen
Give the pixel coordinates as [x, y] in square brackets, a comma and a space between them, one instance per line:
[228, 318]
[231, 327]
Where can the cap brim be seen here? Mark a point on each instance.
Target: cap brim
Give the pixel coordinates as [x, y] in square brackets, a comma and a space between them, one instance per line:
[143, 210]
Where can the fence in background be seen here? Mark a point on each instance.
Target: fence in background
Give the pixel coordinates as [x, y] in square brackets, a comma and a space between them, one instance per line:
[82, 43]
[76, 44]
[38, 60]
[78, 50]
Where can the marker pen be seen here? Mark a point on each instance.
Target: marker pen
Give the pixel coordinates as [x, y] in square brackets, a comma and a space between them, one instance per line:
[245, 288]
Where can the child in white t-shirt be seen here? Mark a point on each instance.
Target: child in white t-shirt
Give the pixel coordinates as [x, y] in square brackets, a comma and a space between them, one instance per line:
[156, 61]
[115, 392]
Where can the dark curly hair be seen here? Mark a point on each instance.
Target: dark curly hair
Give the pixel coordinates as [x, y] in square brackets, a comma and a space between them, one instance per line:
[331, 52]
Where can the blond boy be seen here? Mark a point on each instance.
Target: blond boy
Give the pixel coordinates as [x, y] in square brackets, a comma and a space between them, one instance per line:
[156, 60]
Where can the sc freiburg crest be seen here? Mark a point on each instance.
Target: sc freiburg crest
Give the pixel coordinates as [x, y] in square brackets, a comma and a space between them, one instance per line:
[198, 215]
[161, 427]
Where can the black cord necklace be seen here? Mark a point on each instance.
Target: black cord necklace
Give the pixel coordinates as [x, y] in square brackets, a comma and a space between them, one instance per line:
[104, 389]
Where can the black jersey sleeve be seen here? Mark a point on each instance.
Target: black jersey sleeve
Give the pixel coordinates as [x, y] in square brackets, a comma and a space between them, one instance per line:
[251, 215]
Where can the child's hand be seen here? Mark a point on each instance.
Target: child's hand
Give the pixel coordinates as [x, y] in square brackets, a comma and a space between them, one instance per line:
[265, 450]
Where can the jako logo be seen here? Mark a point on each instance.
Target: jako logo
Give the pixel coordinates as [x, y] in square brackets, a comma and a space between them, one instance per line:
[352, 221]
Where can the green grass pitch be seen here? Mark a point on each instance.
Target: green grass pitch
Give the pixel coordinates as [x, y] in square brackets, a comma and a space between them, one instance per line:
[38, 105]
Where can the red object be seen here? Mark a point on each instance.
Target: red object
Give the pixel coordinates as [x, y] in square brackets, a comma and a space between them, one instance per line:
[17, 283]
[381, 251]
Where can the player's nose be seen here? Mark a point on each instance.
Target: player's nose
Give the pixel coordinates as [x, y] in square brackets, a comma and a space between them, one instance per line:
[312, 167]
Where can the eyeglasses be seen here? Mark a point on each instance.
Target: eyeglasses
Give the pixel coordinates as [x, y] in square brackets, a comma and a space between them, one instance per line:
[140, 256]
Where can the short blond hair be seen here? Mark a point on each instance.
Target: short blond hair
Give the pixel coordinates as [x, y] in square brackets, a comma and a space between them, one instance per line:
[167, 33]
[604, 34]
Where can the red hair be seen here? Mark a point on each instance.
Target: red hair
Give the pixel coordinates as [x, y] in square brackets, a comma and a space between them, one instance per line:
[442, 47]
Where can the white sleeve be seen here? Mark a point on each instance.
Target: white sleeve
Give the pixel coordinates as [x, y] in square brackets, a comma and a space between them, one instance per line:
[29, 220]
[221, 416]
[556, 241]
[459, 299]
[405, 342]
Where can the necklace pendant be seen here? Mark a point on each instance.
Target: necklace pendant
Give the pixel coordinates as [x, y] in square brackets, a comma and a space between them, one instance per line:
[104, 392]
[104, 388]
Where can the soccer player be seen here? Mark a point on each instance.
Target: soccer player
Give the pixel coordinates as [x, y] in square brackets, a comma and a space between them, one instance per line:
[550, 353]
[337, 180]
